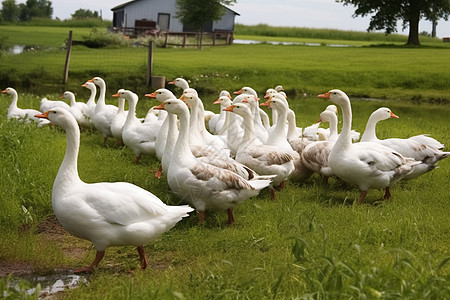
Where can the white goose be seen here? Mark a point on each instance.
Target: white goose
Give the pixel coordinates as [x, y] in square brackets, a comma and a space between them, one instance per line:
[198, 132]
[47, 104]
[163, 136]
[422, 148]
[139, 137]
[15, 112]
[180, 82]
[119, 120]
[216, 122]
[105, 213]
[79, 110]
[203, 185]
[104, 113]
[91, 101]
[315, 155]
[261, 117]
[260, 131]
[367, 165]
[263, 159]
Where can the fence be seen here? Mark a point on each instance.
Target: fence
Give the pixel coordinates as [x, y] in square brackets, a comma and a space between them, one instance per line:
[216, 38]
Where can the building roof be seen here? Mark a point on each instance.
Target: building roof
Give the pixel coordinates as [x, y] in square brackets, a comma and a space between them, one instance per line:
[126, 3]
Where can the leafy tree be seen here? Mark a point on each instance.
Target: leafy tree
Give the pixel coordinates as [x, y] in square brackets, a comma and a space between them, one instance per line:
[84, 14]
[197, 13]
[35, 8]
[10, 11]
[388, 12]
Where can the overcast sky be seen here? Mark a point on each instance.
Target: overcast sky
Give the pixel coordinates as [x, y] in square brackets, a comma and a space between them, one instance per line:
[293, 13]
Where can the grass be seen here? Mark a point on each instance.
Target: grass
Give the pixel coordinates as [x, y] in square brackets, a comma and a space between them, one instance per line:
[313, 242]
[377, 72]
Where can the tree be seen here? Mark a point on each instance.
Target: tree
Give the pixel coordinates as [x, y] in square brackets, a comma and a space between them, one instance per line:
[35, 8]
[10, 11]
[84, 14]
[388, 12]
[197, 13]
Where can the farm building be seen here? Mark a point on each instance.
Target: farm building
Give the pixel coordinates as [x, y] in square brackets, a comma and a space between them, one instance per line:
[160, 14]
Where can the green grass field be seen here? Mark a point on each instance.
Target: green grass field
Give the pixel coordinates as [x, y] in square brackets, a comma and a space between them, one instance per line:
[313, 242]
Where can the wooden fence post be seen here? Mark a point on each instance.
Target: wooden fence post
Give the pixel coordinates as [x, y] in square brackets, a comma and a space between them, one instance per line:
[150, 63]
[66, 66]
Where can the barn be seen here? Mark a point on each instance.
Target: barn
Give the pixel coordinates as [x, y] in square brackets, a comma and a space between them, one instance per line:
[161, 15]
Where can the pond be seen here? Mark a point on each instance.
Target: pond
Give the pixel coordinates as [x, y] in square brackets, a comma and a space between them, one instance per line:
[249, 42]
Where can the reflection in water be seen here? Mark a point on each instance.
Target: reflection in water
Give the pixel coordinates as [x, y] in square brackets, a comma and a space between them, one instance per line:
[248, 42]
[49, 284]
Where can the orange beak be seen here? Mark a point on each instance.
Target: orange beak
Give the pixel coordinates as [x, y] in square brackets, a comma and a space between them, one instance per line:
[161, 106]
[151, 95]
[116, 95]
[267, 95]
[394, 115]
[44, 115]
[325, 96]
[267, 103]
[229, 108]
[91, 80]
[62, 97]
[171, 82]
[238, 92]
[84, 85]
[217, 101]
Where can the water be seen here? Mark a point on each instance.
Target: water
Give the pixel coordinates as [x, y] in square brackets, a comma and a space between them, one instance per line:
[49, 284]
[249, 42]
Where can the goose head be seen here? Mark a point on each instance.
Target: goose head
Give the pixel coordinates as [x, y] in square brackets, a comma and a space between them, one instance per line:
[383, 113]
[98, 81]
[89, 85]
[60, 117]
[127, 95]
[225, 93]
[241, 109]
[327, 116]
[180, 82]
[270, 93]
[332, 108]
[173, 106]
[68, 95]
[247, 91]
[223, 101]
[190, 99]
[9, 91]
[336, 96]
[161, 95]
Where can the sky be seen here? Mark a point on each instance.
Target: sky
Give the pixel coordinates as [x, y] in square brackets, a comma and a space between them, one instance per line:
[292, 13]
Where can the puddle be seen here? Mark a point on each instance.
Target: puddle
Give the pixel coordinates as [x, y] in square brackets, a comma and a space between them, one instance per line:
[249, 42]
[45, 285]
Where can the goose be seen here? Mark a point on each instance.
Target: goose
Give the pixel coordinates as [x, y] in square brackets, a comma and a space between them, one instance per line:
[79, 110]
[91, 101]
[315, 155]
[260, 131]
[199, 134]
[139, 137]
[119, 120]
[422, 148]
[104, 113]
[15, 112]
[216, 122]
[263, 159]
[47, 104]
[105, 213]
[200, 184]
[180, 82]
[261, 118]
[160, 144]
[365, 164]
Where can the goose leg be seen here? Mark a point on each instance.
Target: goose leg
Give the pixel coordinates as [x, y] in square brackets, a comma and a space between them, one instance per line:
[272, 194]
[325, 180]
[138, 158]
[142, 257]
[105, 139]
[90, 268]
[362, 196]
[230, 216]
[158, 173]
[201, 216]
[387, 194]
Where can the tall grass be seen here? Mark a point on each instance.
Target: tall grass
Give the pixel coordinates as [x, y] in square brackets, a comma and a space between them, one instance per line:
[326, 34]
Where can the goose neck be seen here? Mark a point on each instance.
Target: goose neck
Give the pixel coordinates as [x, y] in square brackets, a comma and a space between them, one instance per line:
[345, 139]
[370, 131]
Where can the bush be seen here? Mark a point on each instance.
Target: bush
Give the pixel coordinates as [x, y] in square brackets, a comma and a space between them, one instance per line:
[101, 39]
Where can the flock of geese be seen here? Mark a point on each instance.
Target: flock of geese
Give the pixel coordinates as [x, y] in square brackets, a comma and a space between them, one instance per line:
[217, 166]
